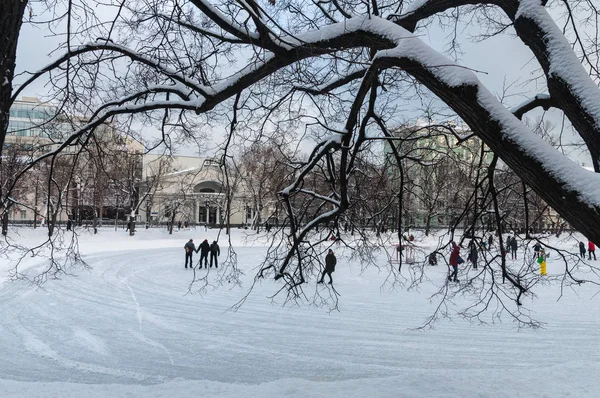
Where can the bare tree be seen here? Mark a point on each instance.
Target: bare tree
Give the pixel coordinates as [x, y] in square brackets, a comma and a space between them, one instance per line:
[265, 169]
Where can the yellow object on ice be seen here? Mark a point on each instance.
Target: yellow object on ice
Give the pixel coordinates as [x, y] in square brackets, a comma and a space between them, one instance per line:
[542, 262]
[543, 268]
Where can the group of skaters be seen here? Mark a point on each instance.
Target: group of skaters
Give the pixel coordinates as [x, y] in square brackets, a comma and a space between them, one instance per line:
[213, 249]
[454, 261]
[473, 254]
[455, 258]
[205, 248]
[511, 245]
[539, 254]
[591, 250]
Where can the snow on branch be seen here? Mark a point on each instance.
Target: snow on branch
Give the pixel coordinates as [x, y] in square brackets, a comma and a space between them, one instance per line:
[317, 154]
[542, 100]
[322, 197]
[225, 22]
[316, 221]
[563, 62]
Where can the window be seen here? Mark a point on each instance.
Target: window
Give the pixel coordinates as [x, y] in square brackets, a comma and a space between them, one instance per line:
[202, 214]
[23, 214]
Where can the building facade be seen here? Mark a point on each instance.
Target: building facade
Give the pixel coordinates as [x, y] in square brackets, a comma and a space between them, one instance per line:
[191, 190]
[86, 184]
[442, 168]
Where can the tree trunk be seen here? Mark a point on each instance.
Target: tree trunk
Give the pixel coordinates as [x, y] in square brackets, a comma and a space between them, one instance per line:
[95, 222]
[132, 223]
[5, 223]
[101, 210]
[526, 205]
[11, 17]
[172, 222]
[35, 206]
[52, 223]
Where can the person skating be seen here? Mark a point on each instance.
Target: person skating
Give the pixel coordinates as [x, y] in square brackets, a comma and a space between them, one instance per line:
[513, 247]
[330, 262]
[69, 224]
[432, 259]
[214, 252]
[473, 255]
[454, 262]
[582, 250]
[490, 241]
[189, 251]
[204, 249]
[536, 250]
[591, 250]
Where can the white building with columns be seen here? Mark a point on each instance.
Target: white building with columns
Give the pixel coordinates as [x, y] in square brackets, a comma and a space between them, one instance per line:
[190, 189]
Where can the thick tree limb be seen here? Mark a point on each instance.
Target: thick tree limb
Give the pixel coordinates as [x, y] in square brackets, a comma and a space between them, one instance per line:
[542, 100]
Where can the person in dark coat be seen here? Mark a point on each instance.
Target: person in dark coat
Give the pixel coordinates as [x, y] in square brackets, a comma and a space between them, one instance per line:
[204, 249]
[432, 259]
[473, 254]
[69, 224]
[490, 241]
[214, 252]
[582, 250]
[513, 247]
[536, 250]
[454, 262]
[189, 251]
[330, 262]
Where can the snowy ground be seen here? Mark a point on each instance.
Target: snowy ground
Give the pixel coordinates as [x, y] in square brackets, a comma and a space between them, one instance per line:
[127, 327]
